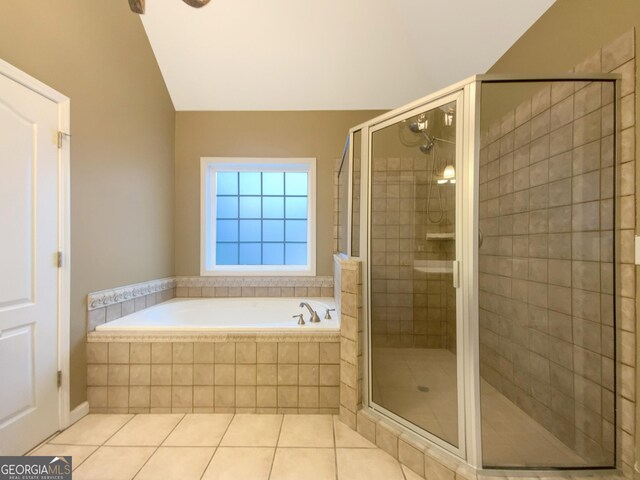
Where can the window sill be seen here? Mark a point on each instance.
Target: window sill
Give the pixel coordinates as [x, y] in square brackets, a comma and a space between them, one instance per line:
[250, 271]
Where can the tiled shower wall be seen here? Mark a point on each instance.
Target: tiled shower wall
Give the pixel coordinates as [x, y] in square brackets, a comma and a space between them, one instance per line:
[546, 265]
[392, 253]
[341, 203]
[338, 207]
[411, 307]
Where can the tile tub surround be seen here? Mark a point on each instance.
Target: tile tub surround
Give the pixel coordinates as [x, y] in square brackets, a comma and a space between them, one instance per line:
[244, 373]
[351, 326]
[254, 286]
[557, 149]
[112, 304]
[107, 305]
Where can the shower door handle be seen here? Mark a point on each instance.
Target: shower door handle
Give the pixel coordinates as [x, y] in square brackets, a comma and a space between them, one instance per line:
[456, 273]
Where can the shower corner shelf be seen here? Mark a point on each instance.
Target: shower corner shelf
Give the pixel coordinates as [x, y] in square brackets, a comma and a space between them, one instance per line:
[433, 266]
[441, 236]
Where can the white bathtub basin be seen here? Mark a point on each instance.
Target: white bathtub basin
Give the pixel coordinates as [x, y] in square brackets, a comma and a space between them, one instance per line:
[227, 315]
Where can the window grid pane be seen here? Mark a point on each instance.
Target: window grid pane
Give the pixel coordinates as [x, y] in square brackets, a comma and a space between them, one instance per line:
[270, 212]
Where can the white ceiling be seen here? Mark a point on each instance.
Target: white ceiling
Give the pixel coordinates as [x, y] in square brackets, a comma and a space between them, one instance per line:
[327, 54]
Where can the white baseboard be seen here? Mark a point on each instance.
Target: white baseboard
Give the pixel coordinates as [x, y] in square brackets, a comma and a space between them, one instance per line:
[78, 412]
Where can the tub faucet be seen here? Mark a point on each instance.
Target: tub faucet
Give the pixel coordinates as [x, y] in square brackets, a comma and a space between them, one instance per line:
[314, 315]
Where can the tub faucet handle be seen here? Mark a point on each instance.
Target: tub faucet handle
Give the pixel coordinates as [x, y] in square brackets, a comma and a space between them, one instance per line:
[327, 316]
[300, 319]
[314, 315]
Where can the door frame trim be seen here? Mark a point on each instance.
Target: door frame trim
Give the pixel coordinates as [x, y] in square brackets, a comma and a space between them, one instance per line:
[64, 228]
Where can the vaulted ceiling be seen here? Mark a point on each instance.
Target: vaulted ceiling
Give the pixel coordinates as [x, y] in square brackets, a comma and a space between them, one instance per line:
[327, 54]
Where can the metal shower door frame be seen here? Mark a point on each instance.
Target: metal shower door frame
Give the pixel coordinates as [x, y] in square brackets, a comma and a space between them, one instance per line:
[455, 95]
[467, 249]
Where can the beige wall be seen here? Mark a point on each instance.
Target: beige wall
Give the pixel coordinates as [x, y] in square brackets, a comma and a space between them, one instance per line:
[122, 119]
[257, 134]
[567, 33]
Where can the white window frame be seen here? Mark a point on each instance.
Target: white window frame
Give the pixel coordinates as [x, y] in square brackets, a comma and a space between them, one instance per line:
[208, 167]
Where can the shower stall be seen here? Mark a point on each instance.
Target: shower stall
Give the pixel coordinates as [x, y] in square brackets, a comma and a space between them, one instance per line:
[484, 216]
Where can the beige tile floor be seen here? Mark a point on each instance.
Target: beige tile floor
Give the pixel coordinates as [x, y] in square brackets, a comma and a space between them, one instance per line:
[509, 436]
[220, 447]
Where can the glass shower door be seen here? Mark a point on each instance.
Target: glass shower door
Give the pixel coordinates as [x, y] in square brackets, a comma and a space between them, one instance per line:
[546, 290]
[415, 371]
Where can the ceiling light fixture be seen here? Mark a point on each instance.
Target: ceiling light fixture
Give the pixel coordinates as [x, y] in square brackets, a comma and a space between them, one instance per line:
[137, 6]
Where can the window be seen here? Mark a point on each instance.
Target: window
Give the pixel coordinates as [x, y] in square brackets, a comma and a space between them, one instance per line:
[258, 216]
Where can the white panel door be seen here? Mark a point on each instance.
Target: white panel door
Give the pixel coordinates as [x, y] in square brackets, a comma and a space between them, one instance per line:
[29, 209]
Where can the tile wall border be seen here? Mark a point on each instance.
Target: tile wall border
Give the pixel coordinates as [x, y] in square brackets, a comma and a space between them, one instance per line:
[218, 337]
[204, 282]
[104, 298]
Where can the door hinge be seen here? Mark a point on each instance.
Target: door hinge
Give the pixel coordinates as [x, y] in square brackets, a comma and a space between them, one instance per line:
[61, 135]
[59, 259]
[59, 378]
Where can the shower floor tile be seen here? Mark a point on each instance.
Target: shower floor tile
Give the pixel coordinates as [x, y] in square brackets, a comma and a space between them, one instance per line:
[219, 446]
[420, 384]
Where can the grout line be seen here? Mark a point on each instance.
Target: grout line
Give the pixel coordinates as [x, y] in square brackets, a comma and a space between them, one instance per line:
[288, 447]
[157, 447]
[83, 461]
[121, 427]
[43, 443]
[335, 445]
[175, 426]
[275, 450]
[218, 445]
[103, 443]
[97, 447]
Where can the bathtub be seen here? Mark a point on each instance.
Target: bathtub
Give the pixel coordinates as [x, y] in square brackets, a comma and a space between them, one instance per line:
[237, 315]
[206, 355]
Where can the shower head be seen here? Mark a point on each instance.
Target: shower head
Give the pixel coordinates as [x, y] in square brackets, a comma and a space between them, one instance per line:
[419, 125]
[415, 127]
[428, 143]
[426, 147]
